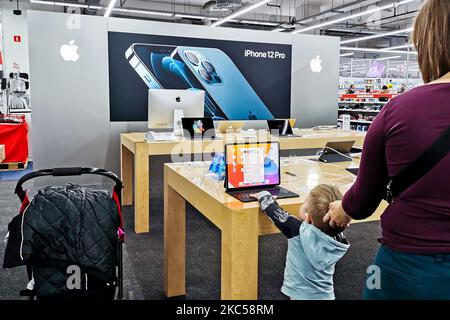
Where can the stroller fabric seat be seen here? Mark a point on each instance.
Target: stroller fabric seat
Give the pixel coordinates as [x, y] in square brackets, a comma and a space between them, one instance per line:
[66, 226]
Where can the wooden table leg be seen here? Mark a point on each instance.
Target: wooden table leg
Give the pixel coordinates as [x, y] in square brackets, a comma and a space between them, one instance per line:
[174, 242]
[141, 189]
[240, 257]
[126, 175]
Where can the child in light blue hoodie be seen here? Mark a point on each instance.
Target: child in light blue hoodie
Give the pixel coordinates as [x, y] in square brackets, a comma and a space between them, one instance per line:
[313, 246]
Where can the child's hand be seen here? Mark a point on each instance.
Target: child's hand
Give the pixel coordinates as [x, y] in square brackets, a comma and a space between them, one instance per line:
[259, 195]
[255, 195]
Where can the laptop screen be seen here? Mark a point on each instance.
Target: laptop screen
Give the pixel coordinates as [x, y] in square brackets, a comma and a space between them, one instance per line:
[252, 165]
[341, 146]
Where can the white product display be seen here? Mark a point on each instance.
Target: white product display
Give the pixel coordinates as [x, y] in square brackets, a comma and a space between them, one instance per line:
[346, 122]
[159, 136]
[163, 103]
[177, 124]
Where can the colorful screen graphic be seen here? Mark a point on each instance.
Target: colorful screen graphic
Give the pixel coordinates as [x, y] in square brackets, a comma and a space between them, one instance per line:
[252, 165]
[198, 127]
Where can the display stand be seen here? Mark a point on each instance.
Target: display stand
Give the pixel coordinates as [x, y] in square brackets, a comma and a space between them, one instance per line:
[177, 123]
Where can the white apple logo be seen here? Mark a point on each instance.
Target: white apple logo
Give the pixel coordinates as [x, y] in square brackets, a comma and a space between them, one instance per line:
[316, 64]
[69, 51]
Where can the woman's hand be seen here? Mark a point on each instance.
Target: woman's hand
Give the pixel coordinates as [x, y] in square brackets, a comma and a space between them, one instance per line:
[336, 216]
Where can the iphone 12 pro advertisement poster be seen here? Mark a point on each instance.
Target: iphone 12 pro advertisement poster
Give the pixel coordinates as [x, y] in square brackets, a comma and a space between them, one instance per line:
[241, 80]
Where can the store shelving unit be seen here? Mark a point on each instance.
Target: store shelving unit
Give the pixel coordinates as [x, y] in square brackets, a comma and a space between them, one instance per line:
[373, 74]
[376, 84]
[362, 108]
[20, 111]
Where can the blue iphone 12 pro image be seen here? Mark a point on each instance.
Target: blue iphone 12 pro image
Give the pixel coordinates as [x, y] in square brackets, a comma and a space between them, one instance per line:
[155, 66]
[224, 83]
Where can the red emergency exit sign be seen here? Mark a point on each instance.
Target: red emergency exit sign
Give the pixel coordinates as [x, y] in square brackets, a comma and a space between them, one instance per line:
[17, 38]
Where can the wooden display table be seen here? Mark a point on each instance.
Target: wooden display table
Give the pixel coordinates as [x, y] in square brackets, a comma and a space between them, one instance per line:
[135, 153]
[240, 223]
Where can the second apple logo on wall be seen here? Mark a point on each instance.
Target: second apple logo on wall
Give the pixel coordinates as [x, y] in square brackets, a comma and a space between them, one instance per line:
[316, 64]
[69, 52]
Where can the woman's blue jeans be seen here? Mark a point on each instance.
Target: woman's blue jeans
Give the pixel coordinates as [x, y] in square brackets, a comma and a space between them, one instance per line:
[402, 276]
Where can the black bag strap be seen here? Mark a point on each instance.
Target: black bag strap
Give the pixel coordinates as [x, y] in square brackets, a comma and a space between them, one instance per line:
[420, 167]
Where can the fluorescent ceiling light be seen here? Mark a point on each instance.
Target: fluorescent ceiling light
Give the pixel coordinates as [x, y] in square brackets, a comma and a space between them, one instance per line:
[389, 58]
[375, 36]
[66, 4]
[262, 23]
[111, 5]
[178, 15]
[240, 12]
[406, 46]
[357, 15]
[347, 54]
[377, 50]
[152, 13]
[193, 16]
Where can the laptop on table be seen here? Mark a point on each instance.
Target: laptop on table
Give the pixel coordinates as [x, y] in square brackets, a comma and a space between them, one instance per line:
[283, 127]
[337, 151]
[252, 168]
[198, 128]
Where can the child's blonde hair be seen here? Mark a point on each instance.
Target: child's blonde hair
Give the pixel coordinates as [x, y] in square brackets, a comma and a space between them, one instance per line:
[319, 200]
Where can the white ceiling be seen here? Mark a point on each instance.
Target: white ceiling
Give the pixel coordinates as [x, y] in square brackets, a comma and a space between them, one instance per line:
[304, 12]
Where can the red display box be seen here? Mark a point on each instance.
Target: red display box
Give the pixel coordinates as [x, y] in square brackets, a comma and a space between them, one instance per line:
[14, 136]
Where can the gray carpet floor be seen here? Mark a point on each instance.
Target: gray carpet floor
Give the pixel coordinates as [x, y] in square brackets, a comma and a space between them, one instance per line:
[143, 256]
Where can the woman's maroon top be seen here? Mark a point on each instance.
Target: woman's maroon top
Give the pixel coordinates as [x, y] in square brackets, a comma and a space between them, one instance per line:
[418, 221]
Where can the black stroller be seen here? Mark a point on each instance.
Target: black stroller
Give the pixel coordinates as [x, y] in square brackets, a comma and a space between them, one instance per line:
[69, 237]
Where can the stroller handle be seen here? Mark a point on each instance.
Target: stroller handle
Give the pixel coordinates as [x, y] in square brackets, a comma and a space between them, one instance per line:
[66, 172]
